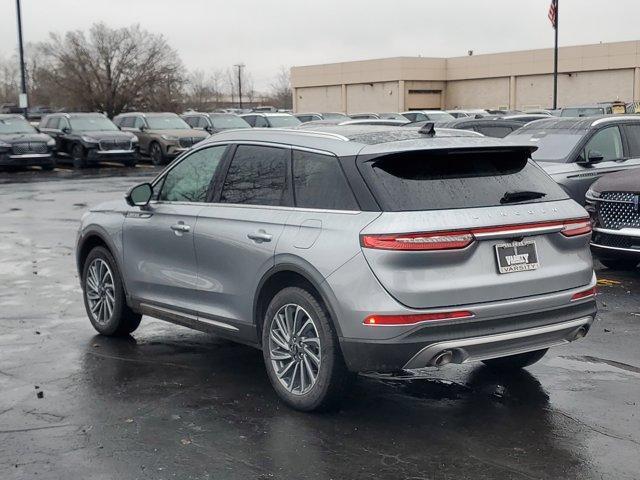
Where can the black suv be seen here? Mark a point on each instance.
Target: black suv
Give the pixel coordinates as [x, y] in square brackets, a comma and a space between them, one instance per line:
[90, 138]
[21, 145]
[614, 205]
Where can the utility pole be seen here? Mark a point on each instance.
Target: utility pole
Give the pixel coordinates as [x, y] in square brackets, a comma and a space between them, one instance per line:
[240, 67]
[23, 97]
[555, 57]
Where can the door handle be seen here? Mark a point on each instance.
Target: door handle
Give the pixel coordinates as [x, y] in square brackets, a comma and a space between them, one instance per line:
[180, 227]
[260, 236]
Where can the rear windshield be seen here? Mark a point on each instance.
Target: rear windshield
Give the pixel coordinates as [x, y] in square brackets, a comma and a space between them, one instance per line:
[554, 145]
[424, 181]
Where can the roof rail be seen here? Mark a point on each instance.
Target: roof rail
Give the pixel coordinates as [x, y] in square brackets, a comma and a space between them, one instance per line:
[309, 133]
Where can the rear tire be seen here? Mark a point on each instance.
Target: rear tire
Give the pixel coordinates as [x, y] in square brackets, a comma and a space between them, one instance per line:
[104, 297]
[79, 156]
[301, 352]
[619, 263]
[515, 362]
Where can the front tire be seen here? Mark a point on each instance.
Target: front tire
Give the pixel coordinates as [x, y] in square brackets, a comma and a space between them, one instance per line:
[301, 352]
[515, 362]
[79, 156]
[104, 297]
[156, 155]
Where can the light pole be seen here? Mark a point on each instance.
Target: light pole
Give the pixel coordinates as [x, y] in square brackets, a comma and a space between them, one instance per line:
[23, 97]
[240, 66]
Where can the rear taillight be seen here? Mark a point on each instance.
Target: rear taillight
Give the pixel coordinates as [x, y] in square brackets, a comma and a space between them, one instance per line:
[418, 241]
[413, 319]
[580, 226]
[591, 292]
[457, 239]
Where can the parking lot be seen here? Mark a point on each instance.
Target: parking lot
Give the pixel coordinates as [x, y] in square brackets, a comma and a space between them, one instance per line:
[170, 402]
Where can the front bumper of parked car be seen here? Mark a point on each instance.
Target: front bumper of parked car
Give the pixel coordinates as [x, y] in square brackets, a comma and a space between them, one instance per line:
[8, 159]
[96, 155]
[609, 243]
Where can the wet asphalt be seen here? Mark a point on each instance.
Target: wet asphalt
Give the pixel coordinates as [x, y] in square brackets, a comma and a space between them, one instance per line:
[170, 402]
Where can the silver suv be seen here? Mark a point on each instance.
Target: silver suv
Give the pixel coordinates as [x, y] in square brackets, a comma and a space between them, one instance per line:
[347, 249]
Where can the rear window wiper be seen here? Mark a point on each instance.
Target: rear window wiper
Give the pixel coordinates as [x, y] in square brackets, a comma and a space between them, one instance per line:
[520, 196]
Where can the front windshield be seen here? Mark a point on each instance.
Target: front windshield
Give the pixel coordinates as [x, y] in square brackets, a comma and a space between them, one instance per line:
[284, 121]
[166, 122]
[15, 125]
[92, 124]
[581, 112]
[440, 116]
[553, 145]
[228, 121]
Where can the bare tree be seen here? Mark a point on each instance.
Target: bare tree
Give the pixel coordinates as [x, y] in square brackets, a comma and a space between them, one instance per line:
[231, 81]
[280, 91]
[112, 70]
[8, 81]
[203, 92]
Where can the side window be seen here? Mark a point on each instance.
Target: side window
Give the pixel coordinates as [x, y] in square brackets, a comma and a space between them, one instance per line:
[257, 176]
[314, 175]
[138, 122]
[53, 123]
[410, 116]
[608, 142]
[127, 122]
[189, 181]
[202, 122]
[251, 120]
[633, 136]
[261, 122]
[63, 123]
[304, 118]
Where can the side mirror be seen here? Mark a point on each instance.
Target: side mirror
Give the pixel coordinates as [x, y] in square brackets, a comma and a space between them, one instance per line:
[140, 195]
[142, 128]
[209, 128]
[66, 130]
[594, 156]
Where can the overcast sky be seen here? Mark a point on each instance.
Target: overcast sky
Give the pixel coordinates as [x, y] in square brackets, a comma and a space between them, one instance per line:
[267, 34]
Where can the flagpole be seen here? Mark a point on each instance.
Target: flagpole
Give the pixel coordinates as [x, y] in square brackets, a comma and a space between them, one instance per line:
[555, 58]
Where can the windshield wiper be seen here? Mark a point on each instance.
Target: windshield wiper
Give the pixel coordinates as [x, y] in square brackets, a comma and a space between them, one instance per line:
[520, 196]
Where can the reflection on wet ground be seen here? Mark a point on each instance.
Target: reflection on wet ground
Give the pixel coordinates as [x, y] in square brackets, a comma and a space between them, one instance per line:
[173, 403]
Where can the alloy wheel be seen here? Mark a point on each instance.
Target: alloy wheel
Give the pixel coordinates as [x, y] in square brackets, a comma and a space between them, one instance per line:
[294, 348]
[100, 291]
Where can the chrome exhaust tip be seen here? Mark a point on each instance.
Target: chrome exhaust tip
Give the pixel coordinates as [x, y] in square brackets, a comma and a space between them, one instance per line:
[580, 333]
[443, 358]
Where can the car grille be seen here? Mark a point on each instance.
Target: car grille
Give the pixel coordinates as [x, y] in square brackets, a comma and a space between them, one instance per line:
[615, 241]
[29, 147]
[186, 142]
[616, 210]
[115, 144]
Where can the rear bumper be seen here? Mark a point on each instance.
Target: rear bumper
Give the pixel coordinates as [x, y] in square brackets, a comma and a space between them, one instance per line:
[473, 341]
[26, 160]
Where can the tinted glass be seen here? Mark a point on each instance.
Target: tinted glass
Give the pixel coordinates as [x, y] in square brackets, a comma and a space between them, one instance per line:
[92, 124]
[138, 122]
[257, 176]
[189, 180]
[318, 182]
[415, 181]
[440, 116]
[228, 121]
[126, 122]
[606, 141]
[191, 121]
[166, 122]
[633, 135]
[53, 123]
[496, 132]
[334, 116]
[250, 119]
[15, 125]
[581, 112]
[284, 121]
[553, 145]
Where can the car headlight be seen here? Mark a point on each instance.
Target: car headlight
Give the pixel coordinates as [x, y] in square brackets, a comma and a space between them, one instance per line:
[51, 142]
[89, 139]
[592, 194]
[170, 138]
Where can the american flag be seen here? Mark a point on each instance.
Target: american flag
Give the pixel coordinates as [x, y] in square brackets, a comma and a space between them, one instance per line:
[553, 13]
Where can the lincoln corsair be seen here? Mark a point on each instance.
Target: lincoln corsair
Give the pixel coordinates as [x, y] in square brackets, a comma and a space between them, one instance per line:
[347, 249]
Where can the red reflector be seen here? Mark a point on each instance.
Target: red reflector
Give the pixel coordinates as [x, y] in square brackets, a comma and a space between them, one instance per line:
[584, 294]
[418, 241]
[580, 226]
[414, 319]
